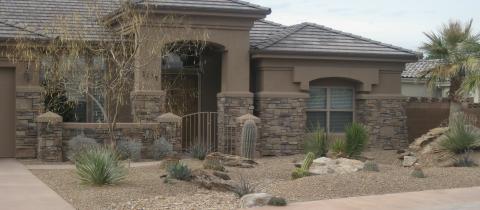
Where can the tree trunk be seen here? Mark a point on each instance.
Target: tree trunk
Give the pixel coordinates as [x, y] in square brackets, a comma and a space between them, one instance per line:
[455, 98]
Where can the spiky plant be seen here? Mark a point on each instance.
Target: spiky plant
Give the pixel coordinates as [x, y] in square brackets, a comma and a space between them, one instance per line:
[460, 137]
[99, 166]
[277, 201]
[317, 142]
[199, 151]
[248, 137]
[161, 148]
[300, 173]
[356, 138]
[179, 171]
[244, 187]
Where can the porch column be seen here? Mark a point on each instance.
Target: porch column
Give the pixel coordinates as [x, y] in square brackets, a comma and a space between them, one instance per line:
[50, 129]
[147, 96]
[235, 100]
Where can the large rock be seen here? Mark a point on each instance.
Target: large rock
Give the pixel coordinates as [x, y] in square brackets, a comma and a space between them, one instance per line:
[231, 160]
[409, 161]
[212, 180]
[255, 200]
[325, 165]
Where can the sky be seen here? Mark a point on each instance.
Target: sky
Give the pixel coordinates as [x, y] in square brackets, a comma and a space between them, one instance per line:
[397, 22]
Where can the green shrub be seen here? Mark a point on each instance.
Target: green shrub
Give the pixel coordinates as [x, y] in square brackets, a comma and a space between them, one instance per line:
[244, 187]
[78, 144]
[338, 147]
[161, 148]
[418, 173]
[317, 143]
[277, 201]
[356, 138]
[179, 171]
[213, 164]
[199, 152]
[99, 166]
[371, 166]
[460, 137]
[299, 173]
[130, 149]
[465, 161]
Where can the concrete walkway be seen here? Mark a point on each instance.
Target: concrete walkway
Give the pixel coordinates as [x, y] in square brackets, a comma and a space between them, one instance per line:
[455, 199]
[21, 190]
[71, 166]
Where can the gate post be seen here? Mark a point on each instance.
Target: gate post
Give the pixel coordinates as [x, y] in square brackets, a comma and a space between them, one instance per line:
[49, 130]
[171, 129]
[241, 121]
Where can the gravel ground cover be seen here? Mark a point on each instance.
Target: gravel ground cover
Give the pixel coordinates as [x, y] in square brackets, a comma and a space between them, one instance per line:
[143, 188]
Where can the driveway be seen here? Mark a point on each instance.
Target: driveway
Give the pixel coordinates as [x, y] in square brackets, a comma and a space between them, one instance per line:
[21, 190]
[454, 199]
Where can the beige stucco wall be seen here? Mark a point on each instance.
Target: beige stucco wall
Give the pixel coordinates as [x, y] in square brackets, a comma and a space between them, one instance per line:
[295, 75]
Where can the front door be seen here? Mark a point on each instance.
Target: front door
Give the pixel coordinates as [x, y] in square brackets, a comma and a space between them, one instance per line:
[7, 113]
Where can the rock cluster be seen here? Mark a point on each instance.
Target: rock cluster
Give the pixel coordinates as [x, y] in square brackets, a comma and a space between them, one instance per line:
[325, 165]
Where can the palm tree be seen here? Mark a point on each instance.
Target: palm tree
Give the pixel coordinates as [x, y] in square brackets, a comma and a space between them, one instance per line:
[458, 47]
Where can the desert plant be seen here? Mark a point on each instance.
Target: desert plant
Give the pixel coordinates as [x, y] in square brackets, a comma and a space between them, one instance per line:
[417, 172]
[371, 166]
[338, 147]
[79, 143]
[317, 143]
[213, 164]
[249, 135]
[299, 173]
[161, 148]
[356, 137]
[130, 149]
[460, 137]
[277, 201]
[465, 161]
[99, 166]
[179, 171]
[308, 161]
[199, 151]
[244, 187]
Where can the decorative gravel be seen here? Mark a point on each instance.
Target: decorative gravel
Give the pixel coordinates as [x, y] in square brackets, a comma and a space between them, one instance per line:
[143, 188]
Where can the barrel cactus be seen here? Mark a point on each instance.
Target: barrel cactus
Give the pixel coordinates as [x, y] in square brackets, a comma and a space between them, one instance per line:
[308, 161]
[249, 136]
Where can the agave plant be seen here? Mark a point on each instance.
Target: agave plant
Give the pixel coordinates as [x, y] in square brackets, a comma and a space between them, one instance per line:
[100, 166]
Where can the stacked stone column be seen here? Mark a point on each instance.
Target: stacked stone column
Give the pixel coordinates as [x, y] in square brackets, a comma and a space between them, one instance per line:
[147, 105]
[50, 128]
[170, 127]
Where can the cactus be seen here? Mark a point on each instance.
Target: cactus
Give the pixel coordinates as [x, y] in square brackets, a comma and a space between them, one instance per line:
[249, 135]
[308, 161]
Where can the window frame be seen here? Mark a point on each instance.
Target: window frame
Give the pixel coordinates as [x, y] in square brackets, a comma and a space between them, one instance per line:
[329, 109]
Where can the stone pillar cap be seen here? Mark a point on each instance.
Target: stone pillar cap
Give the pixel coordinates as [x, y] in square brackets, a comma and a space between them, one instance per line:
[169, 118]
[49, 117]
[246, 117]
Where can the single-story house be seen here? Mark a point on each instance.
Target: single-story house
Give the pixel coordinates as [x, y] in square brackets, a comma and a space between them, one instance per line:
[290, 77]
[415, 86]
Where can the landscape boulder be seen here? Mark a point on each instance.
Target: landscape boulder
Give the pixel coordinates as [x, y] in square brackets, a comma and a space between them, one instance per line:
[255, 200]
[212, 180]
[409, 161]
[325, 165]
[231, 160]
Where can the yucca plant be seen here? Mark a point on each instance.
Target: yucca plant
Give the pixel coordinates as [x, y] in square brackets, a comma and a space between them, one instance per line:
[179, 171]
[338, 147]
[199, 152]
[317, 143]
[244, 187]
[356, 138]
[99, 166]
[460, 137]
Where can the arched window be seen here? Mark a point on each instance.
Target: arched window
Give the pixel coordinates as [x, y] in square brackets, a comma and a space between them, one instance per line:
[331, 106]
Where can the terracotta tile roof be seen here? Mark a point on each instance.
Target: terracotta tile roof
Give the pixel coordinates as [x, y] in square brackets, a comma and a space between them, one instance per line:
[413, 70]
[314, 38]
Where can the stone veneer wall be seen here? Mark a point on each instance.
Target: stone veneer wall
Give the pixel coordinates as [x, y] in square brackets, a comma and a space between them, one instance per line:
[145, 132]
[229, 109]
[283, 124]
[29, 104]
[147, 105]
[386, 121]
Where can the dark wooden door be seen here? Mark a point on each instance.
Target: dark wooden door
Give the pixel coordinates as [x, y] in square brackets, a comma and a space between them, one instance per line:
[7, 113]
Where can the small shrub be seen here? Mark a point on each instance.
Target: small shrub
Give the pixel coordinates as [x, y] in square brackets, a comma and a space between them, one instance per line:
[465, 161]
[418, 172]
[161, 148]
[316, 142]
[129, 149]
[338, 147]
[371, 166]
[199, 152]
[244, 187]
[356, 138]
[213, 164]
[460, 137]
[78, 144]
[299, 173]
[99, 166]
[277, 201]
[179, 171]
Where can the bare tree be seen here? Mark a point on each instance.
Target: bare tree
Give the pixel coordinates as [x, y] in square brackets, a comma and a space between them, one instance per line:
[131, 39]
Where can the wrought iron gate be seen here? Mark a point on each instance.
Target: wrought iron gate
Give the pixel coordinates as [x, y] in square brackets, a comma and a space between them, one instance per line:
[200, 130]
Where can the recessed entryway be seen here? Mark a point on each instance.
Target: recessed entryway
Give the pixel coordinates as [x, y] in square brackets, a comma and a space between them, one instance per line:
[7, 112]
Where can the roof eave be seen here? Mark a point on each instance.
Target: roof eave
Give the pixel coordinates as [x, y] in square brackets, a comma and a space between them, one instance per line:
[256, 53]
[259, 13]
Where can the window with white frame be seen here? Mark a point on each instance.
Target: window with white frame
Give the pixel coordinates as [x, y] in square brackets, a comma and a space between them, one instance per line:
[330, 108]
